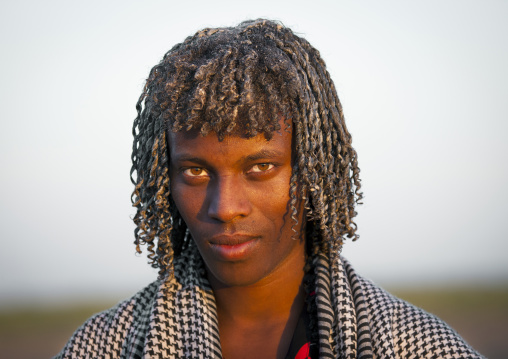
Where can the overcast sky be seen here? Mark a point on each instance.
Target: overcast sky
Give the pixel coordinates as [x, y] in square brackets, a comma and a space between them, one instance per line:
[424, 87]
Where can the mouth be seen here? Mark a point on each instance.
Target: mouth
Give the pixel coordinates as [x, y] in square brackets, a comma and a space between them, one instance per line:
[234, 247]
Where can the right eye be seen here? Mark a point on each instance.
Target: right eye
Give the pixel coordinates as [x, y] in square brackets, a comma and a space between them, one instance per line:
[195, 172]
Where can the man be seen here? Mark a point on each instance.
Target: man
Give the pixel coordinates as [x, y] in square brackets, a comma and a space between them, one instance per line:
[245, 188]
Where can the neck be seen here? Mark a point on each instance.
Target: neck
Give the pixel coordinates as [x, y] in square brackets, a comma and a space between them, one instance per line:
[274, 301]
[274, 298]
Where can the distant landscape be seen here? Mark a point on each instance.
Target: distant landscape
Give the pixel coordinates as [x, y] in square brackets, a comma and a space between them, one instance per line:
[479, 315]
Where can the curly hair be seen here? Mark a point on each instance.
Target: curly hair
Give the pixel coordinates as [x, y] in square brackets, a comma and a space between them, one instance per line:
[242, 80]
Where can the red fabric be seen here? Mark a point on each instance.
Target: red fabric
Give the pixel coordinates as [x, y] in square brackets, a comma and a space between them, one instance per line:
[303, 353]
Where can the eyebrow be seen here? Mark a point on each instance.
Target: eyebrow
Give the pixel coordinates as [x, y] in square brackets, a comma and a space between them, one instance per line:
[268, 154]
[263, 154]
[188, 158]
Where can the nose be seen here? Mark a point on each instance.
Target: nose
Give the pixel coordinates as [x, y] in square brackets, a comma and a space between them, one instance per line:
[228, 199]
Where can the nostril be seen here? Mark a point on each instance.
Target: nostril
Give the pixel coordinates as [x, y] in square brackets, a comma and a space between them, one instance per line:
[228, 210]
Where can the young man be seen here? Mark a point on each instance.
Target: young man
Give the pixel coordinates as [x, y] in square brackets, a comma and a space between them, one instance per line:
[245, 187]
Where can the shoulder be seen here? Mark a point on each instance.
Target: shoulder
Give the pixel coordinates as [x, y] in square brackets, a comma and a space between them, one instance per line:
[115, 330]
[399, 329]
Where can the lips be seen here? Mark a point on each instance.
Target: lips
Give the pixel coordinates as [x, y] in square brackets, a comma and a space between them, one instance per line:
[234, 247]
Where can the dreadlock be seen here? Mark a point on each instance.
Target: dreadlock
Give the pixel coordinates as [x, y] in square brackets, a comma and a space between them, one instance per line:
[241, 80]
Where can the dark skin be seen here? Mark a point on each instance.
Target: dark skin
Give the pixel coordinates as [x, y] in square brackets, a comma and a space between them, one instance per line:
[234, 197]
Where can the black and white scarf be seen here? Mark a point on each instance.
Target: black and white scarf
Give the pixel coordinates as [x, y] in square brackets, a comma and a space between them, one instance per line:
[178, 319]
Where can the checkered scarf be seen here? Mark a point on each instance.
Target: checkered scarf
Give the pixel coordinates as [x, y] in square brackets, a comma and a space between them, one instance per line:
[178, 319]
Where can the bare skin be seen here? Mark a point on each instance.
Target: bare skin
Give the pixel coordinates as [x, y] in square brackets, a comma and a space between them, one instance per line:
[258, 321]
[234, 197]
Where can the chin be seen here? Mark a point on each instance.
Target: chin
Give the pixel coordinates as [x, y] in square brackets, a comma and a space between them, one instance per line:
[233, 275]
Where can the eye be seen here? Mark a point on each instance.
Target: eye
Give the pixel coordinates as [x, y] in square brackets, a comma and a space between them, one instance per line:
[195, 172]
[261, 167]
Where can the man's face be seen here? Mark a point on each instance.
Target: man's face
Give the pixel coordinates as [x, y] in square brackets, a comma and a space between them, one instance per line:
[234, 197]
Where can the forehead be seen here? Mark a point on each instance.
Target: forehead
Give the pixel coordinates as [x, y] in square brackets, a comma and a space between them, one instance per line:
[193, 141]
[186, 145]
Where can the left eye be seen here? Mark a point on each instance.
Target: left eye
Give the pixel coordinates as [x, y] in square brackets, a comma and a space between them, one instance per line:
[261, 167]
[195, 172]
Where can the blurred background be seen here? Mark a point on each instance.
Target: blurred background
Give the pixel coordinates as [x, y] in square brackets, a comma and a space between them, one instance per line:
[424, 87]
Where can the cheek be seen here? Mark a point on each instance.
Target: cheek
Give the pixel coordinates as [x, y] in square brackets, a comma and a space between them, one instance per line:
[187, 202]
[273, 202]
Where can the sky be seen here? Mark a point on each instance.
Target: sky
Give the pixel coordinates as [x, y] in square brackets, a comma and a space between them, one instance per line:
[423, 85]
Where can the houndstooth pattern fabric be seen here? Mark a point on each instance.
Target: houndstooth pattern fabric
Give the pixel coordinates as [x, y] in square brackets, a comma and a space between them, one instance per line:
[178, 319]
